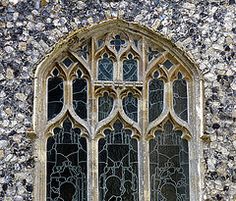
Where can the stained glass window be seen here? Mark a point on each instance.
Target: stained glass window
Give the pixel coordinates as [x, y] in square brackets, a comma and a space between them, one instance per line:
[169, 165]
[118, 165]
[66, 164]
[130, 106]
[117, 43]
[55, 94]
[152, 54]
[67, 62]
[180, 100]
[105, 68]
[130, 69]
[84, 52]
[168, 64]
[119, 89]
[156, 95]
[105, 104]
[80, 96]
[100, 43]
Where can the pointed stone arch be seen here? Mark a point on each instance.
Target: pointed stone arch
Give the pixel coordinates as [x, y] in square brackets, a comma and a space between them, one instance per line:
[81, 49]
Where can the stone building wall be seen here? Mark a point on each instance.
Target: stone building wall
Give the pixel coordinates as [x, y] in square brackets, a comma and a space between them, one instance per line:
[205, 29]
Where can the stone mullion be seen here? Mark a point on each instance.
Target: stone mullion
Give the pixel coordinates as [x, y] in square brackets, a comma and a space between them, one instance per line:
[92, 87]
[93, 157]
[118, 70]
[93, 182]
[168, 94]
[68, 93]
[145, 94]
[144, 168]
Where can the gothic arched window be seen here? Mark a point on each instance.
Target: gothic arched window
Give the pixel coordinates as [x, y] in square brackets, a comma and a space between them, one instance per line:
[117, 115]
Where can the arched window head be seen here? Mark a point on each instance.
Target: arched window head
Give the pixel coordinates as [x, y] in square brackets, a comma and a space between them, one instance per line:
[55, 93]
[117, 115]
[80, 93]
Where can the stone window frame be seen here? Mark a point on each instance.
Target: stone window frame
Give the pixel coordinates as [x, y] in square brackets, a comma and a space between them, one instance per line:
[43, 128]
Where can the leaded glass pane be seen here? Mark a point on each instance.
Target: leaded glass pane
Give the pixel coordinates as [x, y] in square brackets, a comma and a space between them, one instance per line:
[100, 43]
[152, 54]
[180, 99]
[80, 96]
[168, 64]
[55, 95]
[118, 165]
[66, 165]
[105, 68]
[84, 52]
[169, 166]
[130, 69]
[105, 104]
[136, 43]
[67, 62]
[117, 43]
[130, 106]
[156, 96]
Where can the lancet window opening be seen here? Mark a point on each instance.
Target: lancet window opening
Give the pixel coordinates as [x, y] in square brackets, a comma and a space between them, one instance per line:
[118, 106]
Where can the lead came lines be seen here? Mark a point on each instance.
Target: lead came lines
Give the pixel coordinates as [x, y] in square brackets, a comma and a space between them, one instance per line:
[116, 111]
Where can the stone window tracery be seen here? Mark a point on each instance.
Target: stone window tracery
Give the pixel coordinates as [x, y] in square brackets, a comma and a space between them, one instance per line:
[121, 101]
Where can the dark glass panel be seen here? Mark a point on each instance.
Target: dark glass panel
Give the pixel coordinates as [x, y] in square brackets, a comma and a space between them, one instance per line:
[55, 95]
[136, 43]
[105, 68]
[100, 43]
[156, 96]
[105, 104]
[180, 99]
[117, 43]
[130, 106]
[169, 165]
[80, 96]
[152, 54]
[130, 69]
[84, 52]
[67, 62]
[118, 165]
[66, 164]
[168, 64]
